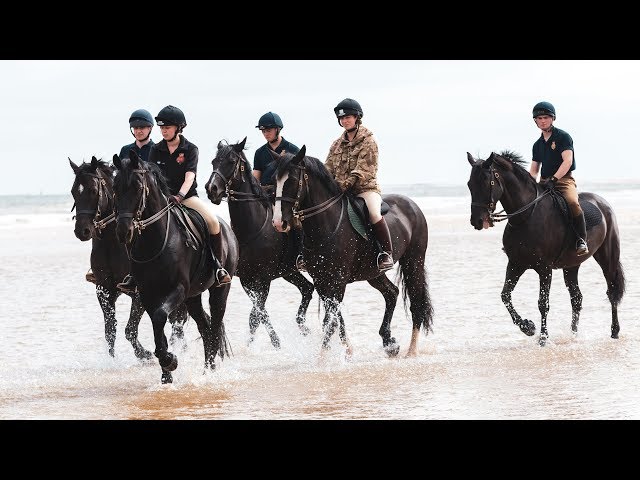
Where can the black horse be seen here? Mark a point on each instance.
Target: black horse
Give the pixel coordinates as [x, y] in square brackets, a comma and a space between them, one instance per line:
[308, 197]
[264, 253]
[538, 235]
[92, 192]
[169, 264]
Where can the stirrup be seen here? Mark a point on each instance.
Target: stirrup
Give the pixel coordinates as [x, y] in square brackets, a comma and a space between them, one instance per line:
[128, 285]
[581, 248]
[91, 277]
[300, 265]
[222, 277]
[385, 262]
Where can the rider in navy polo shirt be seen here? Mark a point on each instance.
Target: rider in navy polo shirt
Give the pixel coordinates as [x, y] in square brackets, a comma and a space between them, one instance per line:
[554, 152]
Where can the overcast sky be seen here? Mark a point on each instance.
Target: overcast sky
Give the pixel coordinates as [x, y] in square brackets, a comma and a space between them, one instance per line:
[425, 114]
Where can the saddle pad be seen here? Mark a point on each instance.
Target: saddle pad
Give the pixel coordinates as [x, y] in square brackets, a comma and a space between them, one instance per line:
[356, 221]
[592, 214]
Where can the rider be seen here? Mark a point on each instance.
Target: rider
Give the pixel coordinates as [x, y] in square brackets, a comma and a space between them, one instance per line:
[177, 157]
[265, 165]
[554, 151]
[353, 162]
[140, 125]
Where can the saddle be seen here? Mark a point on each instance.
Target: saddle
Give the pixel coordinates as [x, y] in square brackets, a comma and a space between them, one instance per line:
[359, 215]
[195, 230]
[592, 215]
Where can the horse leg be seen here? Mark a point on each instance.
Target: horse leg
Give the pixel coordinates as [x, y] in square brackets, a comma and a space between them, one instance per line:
[107, 300]
[203, 321]
[131, 330]
[332, 298]
[159, 315]
[608, 257]
[514, 272]
[306, 290]
[342, 333]
[545, 274]
[390, 294]
[571, 281]
[258, 290]
[217, 306]
[178, 318]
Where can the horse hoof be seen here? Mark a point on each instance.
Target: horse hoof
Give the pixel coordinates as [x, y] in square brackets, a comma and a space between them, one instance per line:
[275, 341]
[527, 327]
[392, 348]
[543, 340]
[304, 330]
[112, 352]
[166, 378]
[614, 335]
[169, 362]
[144, 354]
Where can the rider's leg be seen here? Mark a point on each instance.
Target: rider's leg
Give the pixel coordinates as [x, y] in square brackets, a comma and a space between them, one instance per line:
[567, 187]
[222, 276]
[380, 229]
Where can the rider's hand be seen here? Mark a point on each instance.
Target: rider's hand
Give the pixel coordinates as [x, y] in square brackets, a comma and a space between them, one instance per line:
[550, 183]
[177, 199]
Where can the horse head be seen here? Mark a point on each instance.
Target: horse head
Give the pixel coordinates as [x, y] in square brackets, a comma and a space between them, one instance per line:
[138, 186]
[289, 190]
[228, 164]
[92, 193]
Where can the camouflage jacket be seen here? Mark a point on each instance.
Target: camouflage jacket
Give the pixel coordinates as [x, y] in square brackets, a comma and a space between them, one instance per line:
[355, 163]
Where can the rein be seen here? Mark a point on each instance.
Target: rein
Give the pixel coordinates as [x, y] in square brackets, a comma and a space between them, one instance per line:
[491, 206]
[98, 223]
[141, 224]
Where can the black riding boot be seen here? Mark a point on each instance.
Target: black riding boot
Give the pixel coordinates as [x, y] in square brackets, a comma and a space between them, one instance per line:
[385, 257]
[581, 230]
[128, 285]
[222, 276]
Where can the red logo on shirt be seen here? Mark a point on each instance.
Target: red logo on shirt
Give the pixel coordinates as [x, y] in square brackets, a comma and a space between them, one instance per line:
[180, 158]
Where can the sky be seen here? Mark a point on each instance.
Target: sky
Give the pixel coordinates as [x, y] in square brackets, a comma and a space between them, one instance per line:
[425, 114]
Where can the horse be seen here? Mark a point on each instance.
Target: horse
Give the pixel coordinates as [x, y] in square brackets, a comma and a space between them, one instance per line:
[537, 236]
[171, 265]
[92, 191]
[308, 197]
[264, 253]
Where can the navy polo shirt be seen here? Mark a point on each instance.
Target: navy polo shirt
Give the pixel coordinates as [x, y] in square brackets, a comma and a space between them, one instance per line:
[175, 165]
[263, 160]
[549, 153]
[143, 152]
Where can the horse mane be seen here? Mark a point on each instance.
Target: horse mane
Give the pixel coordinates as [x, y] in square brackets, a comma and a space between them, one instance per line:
[518, 163]
[124, 175]
[314, 167]
[254, 183]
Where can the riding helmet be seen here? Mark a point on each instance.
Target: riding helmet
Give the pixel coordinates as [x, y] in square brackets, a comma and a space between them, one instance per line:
[270, 120]
[348, 106]
[544, 108]
[171, 115]
[141, 118]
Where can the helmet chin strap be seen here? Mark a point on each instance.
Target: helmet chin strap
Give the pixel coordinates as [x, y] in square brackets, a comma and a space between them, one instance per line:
[351, 130]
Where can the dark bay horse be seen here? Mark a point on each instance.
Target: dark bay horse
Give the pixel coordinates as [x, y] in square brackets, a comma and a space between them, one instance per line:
[169, 267]
[92, 192]
[308, 197]
[538, 237]
[264, 253]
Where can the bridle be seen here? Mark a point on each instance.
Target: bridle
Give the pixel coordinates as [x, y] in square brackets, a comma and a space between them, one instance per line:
[140, 224]
[98, 223]
[300, 215]
[491, 206]
[238, 171]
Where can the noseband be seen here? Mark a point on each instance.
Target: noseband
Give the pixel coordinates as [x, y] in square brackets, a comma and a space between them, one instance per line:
[98, 223]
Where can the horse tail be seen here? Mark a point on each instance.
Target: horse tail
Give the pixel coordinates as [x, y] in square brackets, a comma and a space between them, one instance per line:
[617, 285]
[413, 279]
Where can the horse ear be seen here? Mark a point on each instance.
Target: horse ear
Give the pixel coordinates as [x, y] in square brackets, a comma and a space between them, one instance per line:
[94, 162]
[300, 155]
[116, 161]
[239, 147]
[471, 159]
[487, 163]
[134, 158]
[73, 166]
[502, 162]
[219, 144]
[243, 142]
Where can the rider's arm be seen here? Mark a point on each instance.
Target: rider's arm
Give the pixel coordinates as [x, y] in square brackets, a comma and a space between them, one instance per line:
[567, 161]
[189, 177]
[534, 169]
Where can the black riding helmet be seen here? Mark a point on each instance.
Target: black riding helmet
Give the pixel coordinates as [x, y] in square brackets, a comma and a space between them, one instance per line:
[270, 120]
[348, 106]
[141, 118]
[171, 115]
[544, 108]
